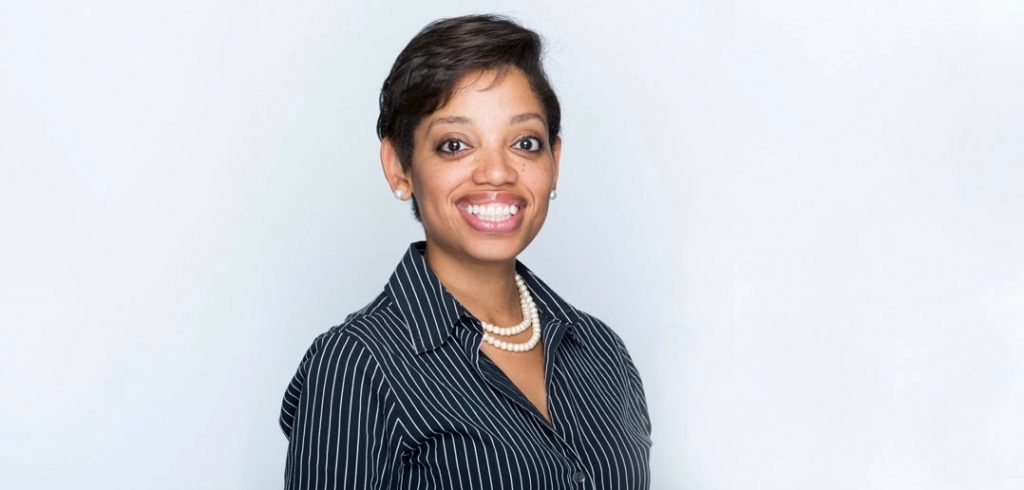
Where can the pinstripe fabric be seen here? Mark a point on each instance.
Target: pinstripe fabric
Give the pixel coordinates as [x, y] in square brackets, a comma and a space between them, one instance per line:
[400, 396]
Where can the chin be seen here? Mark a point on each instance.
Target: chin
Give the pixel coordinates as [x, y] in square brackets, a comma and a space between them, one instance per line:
[494, 249]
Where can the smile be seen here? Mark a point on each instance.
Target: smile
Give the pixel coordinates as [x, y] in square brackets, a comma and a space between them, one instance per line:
[492, 212]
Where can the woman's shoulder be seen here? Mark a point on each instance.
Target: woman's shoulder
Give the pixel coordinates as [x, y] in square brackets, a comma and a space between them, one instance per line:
[336, 345]
[596, 330]
[599, 333]
[371, 325]
[344, 353]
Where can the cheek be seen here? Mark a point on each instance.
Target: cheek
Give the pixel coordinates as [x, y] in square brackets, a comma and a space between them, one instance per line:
[434, 188]
[539, 180]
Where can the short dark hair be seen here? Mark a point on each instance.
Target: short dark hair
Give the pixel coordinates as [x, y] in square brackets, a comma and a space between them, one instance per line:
[425, 73]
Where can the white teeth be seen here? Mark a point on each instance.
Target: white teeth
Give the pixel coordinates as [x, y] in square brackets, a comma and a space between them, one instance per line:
[493, 212]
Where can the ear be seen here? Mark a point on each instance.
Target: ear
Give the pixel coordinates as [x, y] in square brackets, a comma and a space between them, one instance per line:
[393, 171]
[556, 153]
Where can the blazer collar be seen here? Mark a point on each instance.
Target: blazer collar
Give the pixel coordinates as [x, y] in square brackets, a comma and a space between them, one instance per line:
[431, 312]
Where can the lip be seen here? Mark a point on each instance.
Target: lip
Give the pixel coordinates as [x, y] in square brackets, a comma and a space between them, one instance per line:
[489, 197]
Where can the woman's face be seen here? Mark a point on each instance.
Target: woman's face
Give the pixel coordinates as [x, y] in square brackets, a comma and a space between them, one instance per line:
[483, 167]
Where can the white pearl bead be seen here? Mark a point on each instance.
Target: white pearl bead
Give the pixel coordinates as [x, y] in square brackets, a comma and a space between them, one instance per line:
[530, 318]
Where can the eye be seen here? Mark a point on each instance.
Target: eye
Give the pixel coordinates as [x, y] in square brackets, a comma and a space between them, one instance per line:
[531, 144]
[452, 146]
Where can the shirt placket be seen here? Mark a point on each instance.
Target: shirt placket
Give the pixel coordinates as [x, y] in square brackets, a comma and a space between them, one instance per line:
[553, 333]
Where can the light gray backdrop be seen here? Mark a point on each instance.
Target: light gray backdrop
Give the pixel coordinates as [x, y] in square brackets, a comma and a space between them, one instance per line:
[804, 217]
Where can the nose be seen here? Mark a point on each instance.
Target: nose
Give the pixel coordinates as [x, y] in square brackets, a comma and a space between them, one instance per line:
[494, 167]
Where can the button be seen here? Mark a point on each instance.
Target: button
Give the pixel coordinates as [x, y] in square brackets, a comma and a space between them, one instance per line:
[579, 476]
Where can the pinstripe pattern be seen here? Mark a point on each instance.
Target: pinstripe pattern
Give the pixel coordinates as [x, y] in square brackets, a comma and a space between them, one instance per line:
[400, 396]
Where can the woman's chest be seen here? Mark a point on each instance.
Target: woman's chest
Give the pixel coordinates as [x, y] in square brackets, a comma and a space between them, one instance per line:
[471, 424]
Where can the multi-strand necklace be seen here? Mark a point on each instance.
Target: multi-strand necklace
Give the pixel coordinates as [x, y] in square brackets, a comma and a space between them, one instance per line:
[530, 317]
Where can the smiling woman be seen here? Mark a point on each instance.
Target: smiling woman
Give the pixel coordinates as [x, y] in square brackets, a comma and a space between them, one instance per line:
[488, 148]
[422, 388]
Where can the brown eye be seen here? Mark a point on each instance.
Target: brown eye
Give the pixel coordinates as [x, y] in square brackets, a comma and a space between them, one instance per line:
[530, 143]
[451, 146]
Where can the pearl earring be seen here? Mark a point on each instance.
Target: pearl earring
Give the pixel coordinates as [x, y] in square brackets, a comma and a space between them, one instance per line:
[554, 194]
[399, 194]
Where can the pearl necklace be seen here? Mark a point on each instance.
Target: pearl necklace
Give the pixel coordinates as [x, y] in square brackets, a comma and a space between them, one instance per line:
[530, 317]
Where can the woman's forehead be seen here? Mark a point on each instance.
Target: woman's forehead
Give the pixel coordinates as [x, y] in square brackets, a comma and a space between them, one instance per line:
[490, 97]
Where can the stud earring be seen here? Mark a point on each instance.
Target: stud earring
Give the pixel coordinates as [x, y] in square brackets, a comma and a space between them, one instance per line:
[554, 194]
[399, 194]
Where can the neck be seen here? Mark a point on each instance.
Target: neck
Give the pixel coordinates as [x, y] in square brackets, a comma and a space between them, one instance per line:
[487, 289]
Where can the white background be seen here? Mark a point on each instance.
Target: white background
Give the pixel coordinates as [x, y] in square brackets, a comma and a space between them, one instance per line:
[805, 218]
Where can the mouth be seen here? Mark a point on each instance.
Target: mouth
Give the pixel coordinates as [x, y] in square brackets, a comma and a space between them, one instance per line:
[492, 212]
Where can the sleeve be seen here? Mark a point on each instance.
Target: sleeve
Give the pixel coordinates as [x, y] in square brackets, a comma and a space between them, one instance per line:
[637, 404]
[343, 434]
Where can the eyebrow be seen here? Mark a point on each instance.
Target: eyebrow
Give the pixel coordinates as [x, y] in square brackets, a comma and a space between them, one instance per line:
[526, 116]
[450, 120]
[516, 119]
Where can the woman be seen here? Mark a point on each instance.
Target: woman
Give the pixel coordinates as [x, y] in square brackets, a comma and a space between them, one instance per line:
[468, 371]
